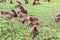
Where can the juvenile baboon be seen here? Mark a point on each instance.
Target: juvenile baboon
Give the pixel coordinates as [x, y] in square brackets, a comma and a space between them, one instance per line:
[23, 17]
[36, 2]
[57, 18]
[22, 9]
[6, 14]
[35, 31]
[34, 21]
[26, 1]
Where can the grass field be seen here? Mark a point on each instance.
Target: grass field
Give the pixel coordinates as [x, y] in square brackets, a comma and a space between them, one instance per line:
[14, 30]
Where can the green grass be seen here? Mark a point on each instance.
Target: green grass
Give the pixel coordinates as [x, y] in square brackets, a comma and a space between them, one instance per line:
[14, 30]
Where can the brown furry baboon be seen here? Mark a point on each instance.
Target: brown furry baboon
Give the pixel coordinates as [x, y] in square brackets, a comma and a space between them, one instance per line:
[3, 1]
[35, 31]
[36, 2]
[57, 18]
[34, 21]
[18, 3]
[26, 1]
[22, 9]
[23, 17]
[6, 14]
[14, 13]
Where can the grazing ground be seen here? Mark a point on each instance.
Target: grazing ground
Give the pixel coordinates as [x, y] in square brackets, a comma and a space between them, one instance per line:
[14, 30]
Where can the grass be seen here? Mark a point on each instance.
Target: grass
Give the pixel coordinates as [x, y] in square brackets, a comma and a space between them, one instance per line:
[14, 30]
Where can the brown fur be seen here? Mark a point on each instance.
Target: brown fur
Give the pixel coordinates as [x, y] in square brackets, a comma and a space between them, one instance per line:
[23, 17]
[34, 21]
[36, 2]
[57, 18]
[14, 13]
[21, 8]
[6, 14]
[26, 1]
[35, 31]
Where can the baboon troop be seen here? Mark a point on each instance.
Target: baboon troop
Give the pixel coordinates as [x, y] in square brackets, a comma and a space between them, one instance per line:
[23, 16]
[35, 31]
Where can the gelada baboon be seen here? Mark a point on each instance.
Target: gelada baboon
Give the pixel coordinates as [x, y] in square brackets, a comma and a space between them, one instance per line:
[26, 1]
[22, 17]
[34, 21]
[35, 31]
[57, 18]
[22, 9]
[36, 2]
[14, 13]
[6, 14]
